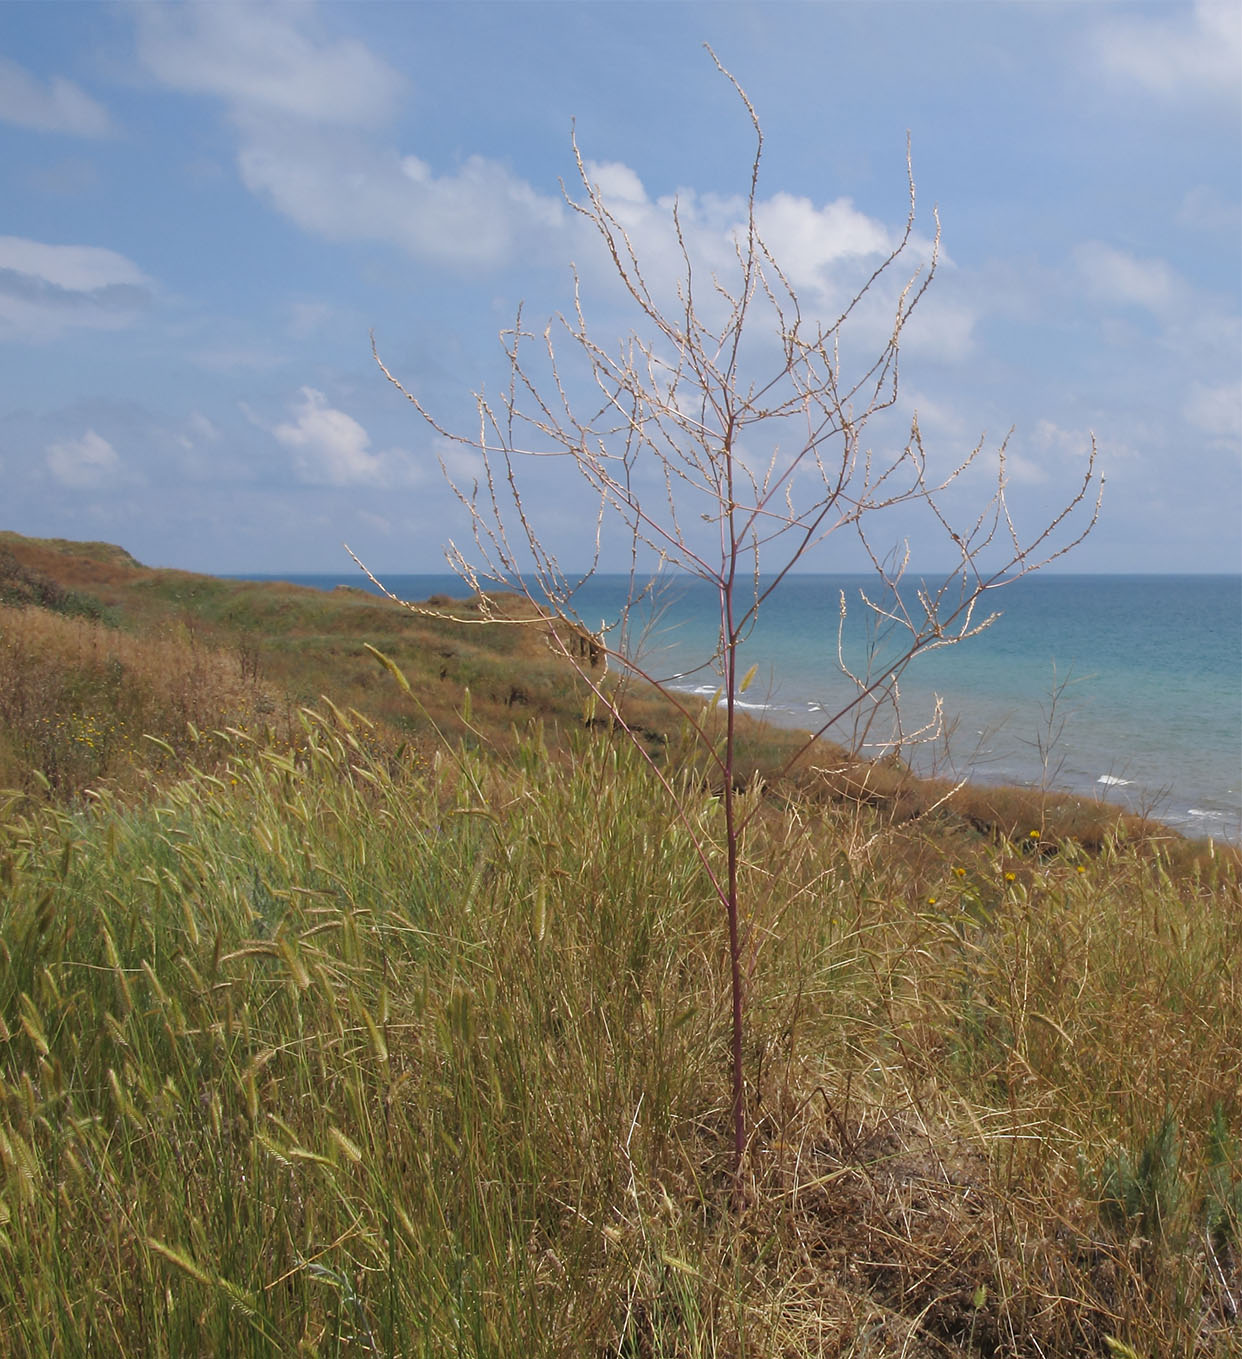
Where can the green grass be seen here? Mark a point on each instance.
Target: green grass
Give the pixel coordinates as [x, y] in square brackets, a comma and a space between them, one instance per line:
[312, 1053]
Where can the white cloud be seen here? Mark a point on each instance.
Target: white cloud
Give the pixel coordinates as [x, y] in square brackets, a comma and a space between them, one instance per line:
[1182, 52]
[81, 464]
[77, 268]
[267, 60]
[302, 103]
[328, 445]
[1216, 410]
[826, 253]
[60, 106]
[1113, 275]
[331, 448]
[345, 188]
[47, 288]
[1044, 454]
[617, 183]
[807, 240]
[306, 107]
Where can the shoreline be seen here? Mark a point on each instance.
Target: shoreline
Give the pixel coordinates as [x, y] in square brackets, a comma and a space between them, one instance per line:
[1193, 820]
[1115, 680]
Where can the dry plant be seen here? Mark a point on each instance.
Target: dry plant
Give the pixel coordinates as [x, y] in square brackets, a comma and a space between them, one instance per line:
[81, 703]
[724, 438]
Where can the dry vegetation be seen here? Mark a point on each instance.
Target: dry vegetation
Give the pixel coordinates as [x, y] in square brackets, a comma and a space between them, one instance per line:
[311, 1048]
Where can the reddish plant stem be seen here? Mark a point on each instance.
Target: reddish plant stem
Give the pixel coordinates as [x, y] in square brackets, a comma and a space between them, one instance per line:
[731, 833]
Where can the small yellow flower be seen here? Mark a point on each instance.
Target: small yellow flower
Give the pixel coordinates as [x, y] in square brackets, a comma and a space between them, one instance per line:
[1011, 877]
[1034, 835]
[960, 872]
[1081, 868]
[931, 901]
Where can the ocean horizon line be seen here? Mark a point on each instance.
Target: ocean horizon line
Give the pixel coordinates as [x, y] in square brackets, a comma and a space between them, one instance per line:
[293, 576]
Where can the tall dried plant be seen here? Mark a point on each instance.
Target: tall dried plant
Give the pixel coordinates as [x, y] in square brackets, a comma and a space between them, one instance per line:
[663, 432]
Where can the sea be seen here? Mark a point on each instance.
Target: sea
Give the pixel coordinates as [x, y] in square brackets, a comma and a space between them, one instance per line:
[1125, 688]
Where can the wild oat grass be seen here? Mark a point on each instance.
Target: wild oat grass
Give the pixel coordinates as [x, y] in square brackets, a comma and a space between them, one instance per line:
[321, 1053]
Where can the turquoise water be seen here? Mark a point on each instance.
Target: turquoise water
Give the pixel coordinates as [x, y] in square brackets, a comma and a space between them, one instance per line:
[1149, 671]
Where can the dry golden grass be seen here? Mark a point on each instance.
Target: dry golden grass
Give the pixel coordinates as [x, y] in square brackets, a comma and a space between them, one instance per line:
[78, 701]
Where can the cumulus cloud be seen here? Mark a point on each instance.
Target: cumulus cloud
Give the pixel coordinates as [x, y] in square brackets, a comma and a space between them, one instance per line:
[46, 288]
[345, 188]
[618, 184]
[59, 106]
[85, 463]
[307, 107]
[826, 252]
[808, 240]
[331, 448]
[1182, 52]
[310, 110]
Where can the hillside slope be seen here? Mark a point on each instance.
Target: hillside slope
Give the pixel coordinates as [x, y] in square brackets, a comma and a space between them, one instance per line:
[99, 652]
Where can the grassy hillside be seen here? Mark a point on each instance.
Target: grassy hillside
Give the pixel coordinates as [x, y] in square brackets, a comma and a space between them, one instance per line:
[322, 1034]
[298, 643]
[154, 650]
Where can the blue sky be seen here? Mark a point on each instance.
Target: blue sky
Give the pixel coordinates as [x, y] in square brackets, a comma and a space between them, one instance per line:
[207, 208]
